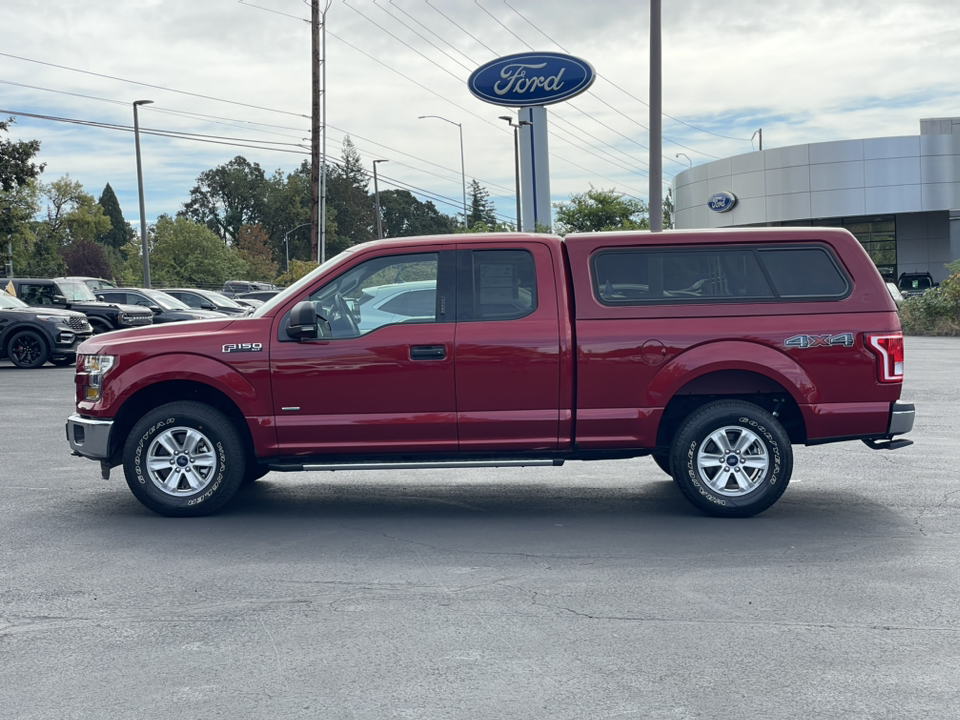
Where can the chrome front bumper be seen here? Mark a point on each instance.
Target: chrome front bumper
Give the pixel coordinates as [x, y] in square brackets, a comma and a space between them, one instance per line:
[89, 437]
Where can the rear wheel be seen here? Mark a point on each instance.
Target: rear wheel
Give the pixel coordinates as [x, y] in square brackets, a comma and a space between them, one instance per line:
[28, 350]
[732, 459]
[184, 459]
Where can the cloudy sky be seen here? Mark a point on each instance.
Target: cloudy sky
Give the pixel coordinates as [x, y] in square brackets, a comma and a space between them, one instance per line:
[231, 77]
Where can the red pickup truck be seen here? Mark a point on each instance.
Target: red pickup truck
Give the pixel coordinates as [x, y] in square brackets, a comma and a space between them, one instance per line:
[712, 351]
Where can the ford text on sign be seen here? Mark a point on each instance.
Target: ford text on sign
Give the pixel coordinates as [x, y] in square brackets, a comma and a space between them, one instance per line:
[529, 79]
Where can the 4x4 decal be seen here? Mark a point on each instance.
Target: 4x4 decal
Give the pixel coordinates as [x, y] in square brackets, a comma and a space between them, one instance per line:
[814, 341]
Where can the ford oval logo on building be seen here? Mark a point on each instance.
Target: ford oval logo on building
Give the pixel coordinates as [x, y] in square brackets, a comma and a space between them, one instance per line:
[529, 79]
[722, 201]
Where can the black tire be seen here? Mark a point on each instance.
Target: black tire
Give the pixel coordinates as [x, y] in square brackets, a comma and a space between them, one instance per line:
[99, 326]
[663, 461]
[732, 459]
[28, 350]
[184, 459]
[64, 361]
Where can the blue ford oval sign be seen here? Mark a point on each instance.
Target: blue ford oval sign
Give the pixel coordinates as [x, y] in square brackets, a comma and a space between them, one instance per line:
[529, 79]
[722, 201]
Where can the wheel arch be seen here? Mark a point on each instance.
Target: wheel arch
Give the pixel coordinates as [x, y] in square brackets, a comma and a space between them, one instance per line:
[736, 371]
[160, 393]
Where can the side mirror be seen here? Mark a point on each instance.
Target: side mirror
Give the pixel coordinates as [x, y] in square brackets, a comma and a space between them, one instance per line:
[205, 305]
[100, 298]
[156, 309]
[59, 300]
[303, 321]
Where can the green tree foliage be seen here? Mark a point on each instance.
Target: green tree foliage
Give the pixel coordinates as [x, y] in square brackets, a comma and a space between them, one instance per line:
[481, 208]
[16, 160]
[72, 213]
[253, 247]
[119, 232]
[287, 206]
[185, 252]
[298, 268]
[937, 311]
[404, 215]
[349, 200]
[228, 197]
[598, 210]
[18, 207]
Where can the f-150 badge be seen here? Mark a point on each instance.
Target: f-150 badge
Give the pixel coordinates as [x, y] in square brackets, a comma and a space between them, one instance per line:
[243, 347]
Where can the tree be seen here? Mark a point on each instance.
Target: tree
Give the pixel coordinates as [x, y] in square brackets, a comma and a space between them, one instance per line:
[348, 198]
[72, 213]
[228, 197]
[16, 160]
[18, 207]
[253, 247]
[185, 252]
[598, 210]
[120, 232]
[85, 257]
[481, 207]
[404, 215]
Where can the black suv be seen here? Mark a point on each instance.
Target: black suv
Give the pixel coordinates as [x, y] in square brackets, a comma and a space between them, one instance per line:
[165, 308]
[916, 283]
[30, 337]
[75, 295]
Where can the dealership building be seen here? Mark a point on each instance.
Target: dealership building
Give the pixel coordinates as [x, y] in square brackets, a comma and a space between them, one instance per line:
[900, 196]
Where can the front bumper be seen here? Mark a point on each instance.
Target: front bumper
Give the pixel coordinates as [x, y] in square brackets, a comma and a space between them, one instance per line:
[88, 437]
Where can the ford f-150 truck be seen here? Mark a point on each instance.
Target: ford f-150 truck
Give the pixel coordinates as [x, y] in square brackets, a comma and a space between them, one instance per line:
[712, 351]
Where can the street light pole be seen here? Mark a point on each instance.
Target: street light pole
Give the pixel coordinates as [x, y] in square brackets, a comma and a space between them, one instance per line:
[463, 171]
[286, 242]
[687, 157]
[516, 156]
[376, 197]
[143, 215]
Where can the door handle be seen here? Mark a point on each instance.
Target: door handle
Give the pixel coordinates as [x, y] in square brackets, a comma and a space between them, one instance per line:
[428, 352]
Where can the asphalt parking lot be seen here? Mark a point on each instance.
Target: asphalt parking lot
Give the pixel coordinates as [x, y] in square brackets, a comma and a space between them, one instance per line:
[588, 591]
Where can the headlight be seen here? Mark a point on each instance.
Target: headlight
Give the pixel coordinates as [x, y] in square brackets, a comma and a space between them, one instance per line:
[55, 319]
[95, 364]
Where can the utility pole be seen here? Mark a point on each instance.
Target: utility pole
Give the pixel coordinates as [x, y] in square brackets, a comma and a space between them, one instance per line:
[656, 122]
[315, 132]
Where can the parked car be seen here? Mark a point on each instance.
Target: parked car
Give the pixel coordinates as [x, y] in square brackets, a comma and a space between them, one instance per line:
[247, 302]
[75, 295]
[236, 287]
[91, 282]
[916, 283]
[714, 352]
[164, 307]
[261, 295]
[399, 302]
[207, 300]
[895, 293]
[31, 336]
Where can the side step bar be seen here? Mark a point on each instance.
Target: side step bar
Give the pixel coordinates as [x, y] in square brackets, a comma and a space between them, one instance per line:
[290, 467]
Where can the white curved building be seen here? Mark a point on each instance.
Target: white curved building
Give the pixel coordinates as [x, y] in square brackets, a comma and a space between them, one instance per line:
[899, 195]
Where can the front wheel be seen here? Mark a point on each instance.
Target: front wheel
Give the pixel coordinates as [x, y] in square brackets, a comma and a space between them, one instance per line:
[28, 350]
[732, 459]
[184, 459]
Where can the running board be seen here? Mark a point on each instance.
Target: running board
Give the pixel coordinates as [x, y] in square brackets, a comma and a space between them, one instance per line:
[446, 465]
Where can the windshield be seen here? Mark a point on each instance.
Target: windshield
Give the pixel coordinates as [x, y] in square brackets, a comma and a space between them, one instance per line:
[8, 301]
[75, 291]
[302, 282]
[222, 300]
[166, 302]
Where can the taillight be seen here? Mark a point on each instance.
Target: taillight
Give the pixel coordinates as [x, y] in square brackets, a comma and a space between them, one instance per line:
[889, 351]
